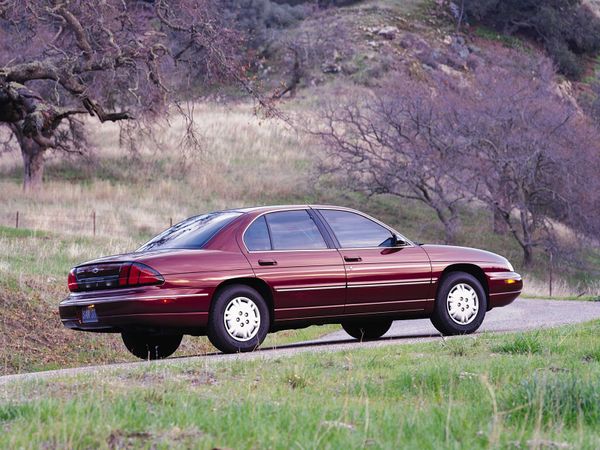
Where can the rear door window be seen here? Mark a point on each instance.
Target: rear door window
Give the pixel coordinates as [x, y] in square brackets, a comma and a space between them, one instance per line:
[294, 230]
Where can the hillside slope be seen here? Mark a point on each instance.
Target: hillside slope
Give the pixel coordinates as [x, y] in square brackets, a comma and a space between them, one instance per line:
[246, 161]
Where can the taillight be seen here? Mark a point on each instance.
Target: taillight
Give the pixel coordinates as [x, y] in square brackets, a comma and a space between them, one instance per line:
[72, 281]
[137, 274]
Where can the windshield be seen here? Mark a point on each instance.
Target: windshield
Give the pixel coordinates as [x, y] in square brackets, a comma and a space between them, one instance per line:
[192, 233]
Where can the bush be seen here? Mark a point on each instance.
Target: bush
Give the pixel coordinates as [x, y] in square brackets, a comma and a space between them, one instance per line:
[257, 17]
[567, 28]
[567, 62]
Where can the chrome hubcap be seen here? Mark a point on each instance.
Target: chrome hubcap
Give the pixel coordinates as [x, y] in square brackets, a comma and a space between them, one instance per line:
[242, 319]
[462, 303]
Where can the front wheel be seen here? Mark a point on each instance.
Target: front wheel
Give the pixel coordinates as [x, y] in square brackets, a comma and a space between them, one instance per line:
[367, 330]
[460, 304]
[151, 346]
[239, 319]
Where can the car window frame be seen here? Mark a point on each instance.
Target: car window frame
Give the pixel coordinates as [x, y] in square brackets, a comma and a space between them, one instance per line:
[325, 234]
[254, 221]
[366, 216]
[326, 231]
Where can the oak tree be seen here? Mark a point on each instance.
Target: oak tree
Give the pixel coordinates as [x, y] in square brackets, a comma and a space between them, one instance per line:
[113, 60]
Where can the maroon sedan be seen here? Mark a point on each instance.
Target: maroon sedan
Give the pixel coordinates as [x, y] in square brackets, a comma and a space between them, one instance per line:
[236, 275]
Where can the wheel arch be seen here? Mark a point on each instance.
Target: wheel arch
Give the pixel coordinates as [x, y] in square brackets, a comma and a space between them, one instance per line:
[258, 284]
[471, 269]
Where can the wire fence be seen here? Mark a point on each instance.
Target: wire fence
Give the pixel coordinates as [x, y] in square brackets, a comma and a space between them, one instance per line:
[89, 223]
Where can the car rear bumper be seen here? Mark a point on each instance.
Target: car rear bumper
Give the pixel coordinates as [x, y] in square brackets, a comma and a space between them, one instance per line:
[504, 288]
[149, 307]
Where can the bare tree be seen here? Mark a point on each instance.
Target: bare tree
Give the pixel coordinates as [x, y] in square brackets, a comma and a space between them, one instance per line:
[525, 145]
[113, 60]
[507, 138]
[399, 141]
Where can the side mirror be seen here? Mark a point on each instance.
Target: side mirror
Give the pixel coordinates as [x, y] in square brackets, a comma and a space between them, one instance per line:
[397, 241]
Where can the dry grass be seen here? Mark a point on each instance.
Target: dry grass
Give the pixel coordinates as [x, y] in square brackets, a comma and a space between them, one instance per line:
[243, 161]
[534, 287]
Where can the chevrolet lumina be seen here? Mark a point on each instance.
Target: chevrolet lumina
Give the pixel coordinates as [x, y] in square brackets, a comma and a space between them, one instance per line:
[236, 275]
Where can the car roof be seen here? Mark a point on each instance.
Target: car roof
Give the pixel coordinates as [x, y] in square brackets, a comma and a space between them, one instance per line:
[269, 208]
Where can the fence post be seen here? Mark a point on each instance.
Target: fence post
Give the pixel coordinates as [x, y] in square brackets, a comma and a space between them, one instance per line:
[170, 222]
[94, 221]
[551, 265]
[17, 220]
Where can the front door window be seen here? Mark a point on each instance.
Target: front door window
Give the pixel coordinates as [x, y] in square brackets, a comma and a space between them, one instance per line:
[355, 231]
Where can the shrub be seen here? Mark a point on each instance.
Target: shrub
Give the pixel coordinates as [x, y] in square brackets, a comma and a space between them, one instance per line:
[257, 17]
[568, 63]
[567, 28]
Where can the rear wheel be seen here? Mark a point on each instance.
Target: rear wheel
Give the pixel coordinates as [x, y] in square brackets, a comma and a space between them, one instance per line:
[367, 330]
[151, 346]
[239, 319]
[460, 304]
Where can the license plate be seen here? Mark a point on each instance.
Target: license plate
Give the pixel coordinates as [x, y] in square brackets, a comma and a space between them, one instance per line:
[88, 315]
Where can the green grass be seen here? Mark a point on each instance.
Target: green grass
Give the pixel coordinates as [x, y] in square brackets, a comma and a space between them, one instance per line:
[10, 232]
[493, 35]
[522, 344]
[461, 393]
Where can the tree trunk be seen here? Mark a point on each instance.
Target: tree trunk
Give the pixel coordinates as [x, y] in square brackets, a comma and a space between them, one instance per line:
[33, 169]
[500, 226]
[527, 255]
[33, 161]
[450, 223]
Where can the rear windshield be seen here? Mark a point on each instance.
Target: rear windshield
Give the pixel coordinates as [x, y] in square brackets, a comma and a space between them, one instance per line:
[192, 233]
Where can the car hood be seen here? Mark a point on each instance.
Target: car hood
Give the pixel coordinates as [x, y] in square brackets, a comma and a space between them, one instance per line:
[177, 261]
[456, 254]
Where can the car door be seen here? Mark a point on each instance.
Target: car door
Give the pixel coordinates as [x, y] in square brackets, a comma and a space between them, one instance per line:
[381, 277]
[292, 252]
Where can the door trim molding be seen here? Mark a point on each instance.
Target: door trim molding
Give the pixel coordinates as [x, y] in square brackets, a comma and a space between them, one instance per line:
[310, 288]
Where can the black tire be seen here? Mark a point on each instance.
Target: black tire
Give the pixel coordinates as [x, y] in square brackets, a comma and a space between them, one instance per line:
[217, 331]
[367, 330]
[151, 346]
[441, 317]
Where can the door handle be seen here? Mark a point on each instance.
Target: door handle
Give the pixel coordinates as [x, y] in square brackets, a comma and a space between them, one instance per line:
[352, 258]
[267, 262]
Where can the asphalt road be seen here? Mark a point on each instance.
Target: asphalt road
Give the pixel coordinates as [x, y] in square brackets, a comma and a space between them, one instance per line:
[521, 315]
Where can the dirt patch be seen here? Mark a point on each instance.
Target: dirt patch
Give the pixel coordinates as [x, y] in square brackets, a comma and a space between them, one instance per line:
[120, 439]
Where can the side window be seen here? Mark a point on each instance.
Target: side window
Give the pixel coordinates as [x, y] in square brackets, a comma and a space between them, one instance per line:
[355, 231]
[256, 237]
[294, 230]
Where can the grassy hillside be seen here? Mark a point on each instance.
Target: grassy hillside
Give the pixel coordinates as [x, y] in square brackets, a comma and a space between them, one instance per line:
[245, 160]
[534, 390]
